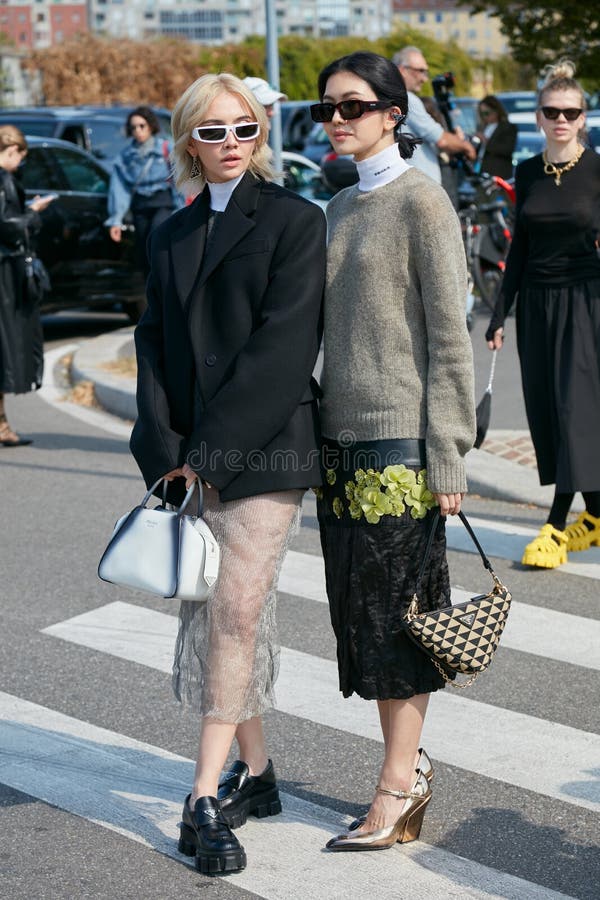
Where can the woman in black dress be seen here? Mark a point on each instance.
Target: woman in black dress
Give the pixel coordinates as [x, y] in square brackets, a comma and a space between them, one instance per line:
[554, 268]
[21, 341]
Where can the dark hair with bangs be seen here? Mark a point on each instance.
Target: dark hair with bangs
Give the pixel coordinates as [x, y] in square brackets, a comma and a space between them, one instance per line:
[386, 82]
[146, 113]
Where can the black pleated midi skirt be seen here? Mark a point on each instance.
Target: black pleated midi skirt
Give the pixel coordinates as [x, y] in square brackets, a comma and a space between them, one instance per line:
[558, 337]
[371, 572]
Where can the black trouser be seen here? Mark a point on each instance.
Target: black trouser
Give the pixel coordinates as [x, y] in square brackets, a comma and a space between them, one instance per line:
[148, 212]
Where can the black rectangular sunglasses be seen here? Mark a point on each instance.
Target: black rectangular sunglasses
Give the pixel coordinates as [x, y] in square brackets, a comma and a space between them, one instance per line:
[553, 112]
[348, 109]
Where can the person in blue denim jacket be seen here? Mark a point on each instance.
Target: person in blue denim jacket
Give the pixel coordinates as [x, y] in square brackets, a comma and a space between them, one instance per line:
[140, 183]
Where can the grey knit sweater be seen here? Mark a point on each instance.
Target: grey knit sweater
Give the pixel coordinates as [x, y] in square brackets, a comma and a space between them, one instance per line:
[398, 358]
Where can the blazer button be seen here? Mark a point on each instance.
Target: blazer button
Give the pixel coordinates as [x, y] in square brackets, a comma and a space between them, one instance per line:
[210, 360]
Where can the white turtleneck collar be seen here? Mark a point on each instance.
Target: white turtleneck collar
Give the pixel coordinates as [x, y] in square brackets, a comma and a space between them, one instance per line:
[220, 192]
[381, 168]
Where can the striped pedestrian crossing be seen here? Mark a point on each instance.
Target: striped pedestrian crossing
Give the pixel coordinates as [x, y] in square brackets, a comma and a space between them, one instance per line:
[485, 739]
[137, 791]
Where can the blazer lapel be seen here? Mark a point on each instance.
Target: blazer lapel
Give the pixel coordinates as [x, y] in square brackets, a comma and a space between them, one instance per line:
[234, 224]
[187, 246]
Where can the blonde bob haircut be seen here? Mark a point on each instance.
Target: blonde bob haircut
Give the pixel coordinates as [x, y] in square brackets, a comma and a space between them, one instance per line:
[190, 110]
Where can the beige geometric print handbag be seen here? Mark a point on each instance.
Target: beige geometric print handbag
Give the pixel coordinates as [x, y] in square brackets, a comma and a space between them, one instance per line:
[462, 638]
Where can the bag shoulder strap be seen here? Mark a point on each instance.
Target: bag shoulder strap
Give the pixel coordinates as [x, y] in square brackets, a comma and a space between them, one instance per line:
[429, 545]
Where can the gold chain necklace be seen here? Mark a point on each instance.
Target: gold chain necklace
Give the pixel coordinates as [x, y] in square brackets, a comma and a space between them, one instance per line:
[551, 169]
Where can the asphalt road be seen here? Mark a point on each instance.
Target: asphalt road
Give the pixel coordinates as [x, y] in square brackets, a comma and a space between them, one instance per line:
[89, 793]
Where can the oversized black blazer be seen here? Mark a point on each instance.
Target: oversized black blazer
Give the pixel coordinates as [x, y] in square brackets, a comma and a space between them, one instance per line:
[497, 158]
[239, 331]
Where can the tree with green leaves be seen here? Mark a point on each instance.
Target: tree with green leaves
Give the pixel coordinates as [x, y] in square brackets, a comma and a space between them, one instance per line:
[542, 31]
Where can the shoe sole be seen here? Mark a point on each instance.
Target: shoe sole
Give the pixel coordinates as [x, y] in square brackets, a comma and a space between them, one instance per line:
[268, 805]
[210, 863]
[544, 560]
[580, 544]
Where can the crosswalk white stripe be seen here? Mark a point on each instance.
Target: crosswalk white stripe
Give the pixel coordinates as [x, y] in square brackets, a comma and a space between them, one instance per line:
[137, 789]
[507, 540]
[531, 629]
[522, 750]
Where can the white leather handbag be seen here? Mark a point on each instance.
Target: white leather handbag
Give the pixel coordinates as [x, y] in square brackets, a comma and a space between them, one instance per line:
[162, 551]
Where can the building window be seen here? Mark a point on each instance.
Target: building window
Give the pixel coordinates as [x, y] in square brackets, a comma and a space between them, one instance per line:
[422, 18]
[439, 17]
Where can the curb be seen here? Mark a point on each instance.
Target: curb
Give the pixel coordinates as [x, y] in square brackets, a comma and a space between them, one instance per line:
[115, 393]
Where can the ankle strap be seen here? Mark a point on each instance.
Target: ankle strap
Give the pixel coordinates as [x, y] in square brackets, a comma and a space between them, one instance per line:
[402, 795]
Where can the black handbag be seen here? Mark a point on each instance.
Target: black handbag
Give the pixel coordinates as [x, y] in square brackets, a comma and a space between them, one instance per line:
[461, 638]
[37, 280]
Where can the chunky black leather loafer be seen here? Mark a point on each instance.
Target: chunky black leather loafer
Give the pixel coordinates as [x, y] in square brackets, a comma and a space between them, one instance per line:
[242, 794]
[206, 835]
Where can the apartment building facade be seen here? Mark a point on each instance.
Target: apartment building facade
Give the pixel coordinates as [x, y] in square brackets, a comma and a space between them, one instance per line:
[223, 21]
[447, 20]
[29, 24]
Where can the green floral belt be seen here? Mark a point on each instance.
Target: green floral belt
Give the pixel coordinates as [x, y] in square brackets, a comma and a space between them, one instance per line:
[374, 494]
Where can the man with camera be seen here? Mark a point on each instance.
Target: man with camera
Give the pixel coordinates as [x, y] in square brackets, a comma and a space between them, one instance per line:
[413, 68]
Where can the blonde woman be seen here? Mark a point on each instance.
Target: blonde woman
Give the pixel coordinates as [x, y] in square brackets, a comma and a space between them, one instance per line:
[554, 268]
[225, 351]
[21, 340]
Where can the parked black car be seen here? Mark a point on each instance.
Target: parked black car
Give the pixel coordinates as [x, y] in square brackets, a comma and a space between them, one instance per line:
[86, 267]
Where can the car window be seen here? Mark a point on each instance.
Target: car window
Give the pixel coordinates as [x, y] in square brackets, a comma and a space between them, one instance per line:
[81, 173]
[37, 173]
[74, 134]
[107, 138]
[40, 127]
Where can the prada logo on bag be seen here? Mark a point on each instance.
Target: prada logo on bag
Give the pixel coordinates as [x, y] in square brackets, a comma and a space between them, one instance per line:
[468, 619]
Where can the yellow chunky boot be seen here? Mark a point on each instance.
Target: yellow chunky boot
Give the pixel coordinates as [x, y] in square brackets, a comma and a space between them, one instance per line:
[579, 536]
[548, 550]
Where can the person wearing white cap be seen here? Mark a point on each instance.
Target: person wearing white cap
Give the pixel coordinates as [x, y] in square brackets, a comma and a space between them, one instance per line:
[265, 94]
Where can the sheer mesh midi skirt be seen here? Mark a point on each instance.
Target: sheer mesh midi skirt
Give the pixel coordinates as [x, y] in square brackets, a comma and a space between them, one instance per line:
[227, 653]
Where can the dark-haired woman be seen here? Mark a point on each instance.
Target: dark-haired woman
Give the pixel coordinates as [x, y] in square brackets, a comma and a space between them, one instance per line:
[397, 417]
[140, 183]
[498, 137]
[553, 270]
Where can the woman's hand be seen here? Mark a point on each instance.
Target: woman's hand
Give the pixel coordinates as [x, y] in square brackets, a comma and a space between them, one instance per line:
[115, 232]
[449, 504]
[38, 204]
[176, 473]
[497, 340]
[189, 475]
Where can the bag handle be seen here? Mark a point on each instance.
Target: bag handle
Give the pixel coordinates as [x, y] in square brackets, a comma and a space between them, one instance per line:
[487, 564]
[186, 499]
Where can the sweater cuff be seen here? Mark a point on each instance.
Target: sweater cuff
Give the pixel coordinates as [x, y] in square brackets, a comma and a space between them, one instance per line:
[447, 478]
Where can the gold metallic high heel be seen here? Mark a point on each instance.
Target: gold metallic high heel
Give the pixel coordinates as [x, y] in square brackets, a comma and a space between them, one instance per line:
[406, 828]
[424, 765]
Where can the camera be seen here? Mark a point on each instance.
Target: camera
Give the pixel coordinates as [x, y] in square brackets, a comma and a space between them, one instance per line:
[442, 87]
